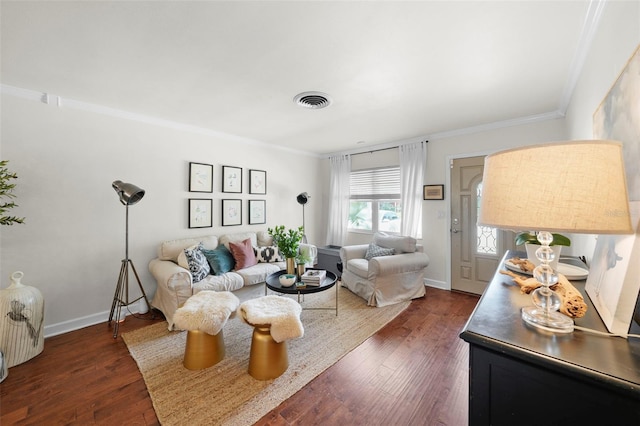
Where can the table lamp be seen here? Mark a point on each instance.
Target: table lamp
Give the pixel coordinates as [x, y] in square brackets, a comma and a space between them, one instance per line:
[574, 187]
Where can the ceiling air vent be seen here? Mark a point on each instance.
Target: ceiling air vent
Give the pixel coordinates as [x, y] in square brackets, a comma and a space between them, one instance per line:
[313, 100]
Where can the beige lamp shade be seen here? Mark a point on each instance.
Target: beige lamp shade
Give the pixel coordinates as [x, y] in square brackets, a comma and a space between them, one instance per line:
[575, 187]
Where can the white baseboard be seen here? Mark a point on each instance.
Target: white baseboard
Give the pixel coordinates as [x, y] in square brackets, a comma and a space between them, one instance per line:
[82, 322]
[436, 284]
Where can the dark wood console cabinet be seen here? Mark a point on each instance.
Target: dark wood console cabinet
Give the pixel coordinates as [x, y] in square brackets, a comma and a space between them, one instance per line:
[519, 375]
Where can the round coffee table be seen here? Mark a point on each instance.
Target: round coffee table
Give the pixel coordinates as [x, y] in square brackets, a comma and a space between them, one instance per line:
[273, 283]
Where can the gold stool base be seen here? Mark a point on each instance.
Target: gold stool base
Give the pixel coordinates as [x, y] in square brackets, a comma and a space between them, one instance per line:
[203, 350]
[268, 359]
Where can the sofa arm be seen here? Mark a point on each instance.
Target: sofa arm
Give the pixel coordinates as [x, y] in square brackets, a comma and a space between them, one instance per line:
[353, 252]
[174, 287]
[398, 263]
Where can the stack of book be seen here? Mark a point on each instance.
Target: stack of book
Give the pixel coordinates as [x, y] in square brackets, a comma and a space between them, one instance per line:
[313, 277]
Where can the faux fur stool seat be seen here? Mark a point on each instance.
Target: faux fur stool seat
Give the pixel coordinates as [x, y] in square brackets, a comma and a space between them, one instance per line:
[275, 319]
[204, 316]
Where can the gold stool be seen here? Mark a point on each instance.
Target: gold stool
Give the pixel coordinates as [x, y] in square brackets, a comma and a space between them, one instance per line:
[203, 350]
[268, 359]
[204, 315]
[274, 320]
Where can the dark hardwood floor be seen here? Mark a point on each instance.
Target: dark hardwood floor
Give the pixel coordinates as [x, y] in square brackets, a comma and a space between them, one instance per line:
[412, 372]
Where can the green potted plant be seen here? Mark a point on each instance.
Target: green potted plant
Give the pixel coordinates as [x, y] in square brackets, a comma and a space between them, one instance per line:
[302, 258]
[531, 244]
[6, 191]
[288, 242]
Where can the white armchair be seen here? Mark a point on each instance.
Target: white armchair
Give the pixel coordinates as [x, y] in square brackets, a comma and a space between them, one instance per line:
[388, 279]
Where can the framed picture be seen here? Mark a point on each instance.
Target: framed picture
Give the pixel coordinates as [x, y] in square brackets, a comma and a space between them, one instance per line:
[613, 283]
[200, 211]
[257, 212]
[232, 179]
[433, 192]
[231, 212]
[617, 118]
[200, 177]
[257, 182]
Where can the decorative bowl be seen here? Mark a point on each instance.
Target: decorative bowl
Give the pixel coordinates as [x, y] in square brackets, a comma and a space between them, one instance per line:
[287, 280]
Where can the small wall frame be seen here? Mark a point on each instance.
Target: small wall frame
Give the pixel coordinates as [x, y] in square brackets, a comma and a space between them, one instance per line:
[200, 177]
[232, 179]
[231, 212]
[200, 213]
[257, 212]
[433, 192]
[257, 182]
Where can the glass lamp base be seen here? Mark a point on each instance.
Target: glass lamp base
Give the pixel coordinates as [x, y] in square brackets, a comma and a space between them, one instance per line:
[549, 321]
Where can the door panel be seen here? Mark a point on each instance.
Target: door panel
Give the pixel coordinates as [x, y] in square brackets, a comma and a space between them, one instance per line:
[475, 251]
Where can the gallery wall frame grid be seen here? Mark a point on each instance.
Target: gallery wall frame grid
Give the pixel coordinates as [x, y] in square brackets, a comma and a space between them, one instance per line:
[231, 212]
[232, 179]
[200, 213]
[257, 211]
[257, 182]
[200, 177]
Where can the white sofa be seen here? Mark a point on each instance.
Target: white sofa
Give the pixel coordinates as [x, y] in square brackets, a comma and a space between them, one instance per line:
[385, 280]
[175, 283]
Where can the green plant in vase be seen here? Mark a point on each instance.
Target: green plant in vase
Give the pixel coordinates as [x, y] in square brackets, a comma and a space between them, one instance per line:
[288, 242]
[531, 243]
[532, 238]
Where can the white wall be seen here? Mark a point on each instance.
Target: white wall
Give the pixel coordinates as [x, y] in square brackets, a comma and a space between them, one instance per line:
[617, 38]
[73, 240]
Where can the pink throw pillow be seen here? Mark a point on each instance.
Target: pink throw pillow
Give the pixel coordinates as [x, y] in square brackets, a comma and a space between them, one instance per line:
[243, 254]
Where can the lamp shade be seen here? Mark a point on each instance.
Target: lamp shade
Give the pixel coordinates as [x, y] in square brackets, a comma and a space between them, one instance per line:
[576, 187]
[129, 193]
[303, 198]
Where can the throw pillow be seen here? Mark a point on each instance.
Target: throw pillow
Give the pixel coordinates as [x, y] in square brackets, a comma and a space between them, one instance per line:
[198, 264]
[267, 254]
[377, 251]
[243, 254]
[221, 260]
[400, 243]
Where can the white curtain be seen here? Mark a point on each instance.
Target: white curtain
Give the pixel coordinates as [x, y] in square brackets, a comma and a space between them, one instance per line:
[412, 164]
[340, 166]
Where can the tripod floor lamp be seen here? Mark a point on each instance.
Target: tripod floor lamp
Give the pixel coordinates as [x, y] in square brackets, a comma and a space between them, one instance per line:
[129, 195]
[303, 198]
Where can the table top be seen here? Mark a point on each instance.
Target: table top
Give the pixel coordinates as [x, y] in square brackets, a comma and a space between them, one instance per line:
[496, 324]
[273, 283]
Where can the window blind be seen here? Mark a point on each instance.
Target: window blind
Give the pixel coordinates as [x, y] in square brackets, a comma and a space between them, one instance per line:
[375, 184]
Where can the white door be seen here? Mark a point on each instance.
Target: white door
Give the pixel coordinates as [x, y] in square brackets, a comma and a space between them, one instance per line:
[475, 251]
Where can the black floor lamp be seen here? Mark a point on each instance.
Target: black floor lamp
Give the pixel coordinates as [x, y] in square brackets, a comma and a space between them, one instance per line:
[303, 198]
[129, 195]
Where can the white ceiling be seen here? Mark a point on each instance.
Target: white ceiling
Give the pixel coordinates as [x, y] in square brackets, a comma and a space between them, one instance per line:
[395, 70]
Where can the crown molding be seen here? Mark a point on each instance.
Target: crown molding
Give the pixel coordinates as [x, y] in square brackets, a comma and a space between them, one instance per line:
[60, 102]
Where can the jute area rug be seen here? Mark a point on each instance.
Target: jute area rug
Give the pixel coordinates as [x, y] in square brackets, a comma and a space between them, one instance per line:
[225, 394]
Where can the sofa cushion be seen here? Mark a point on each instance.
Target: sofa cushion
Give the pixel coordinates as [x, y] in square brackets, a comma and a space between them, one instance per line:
[170, 250]
[360, 267]
[198, 265]
[259, 272]
[236, 238]
[377, 251]
[243, 254]
[399, 243]
[225, 282]
[264, 239]
[267, 254]
[220, 260]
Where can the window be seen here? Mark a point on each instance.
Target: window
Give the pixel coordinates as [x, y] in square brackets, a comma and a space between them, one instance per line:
[375, 200]
[486, 237]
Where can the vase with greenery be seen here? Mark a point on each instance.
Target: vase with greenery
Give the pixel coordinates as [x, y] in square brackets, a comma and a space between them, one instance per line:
[288, 242]
[6, 192]
[531, 243]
